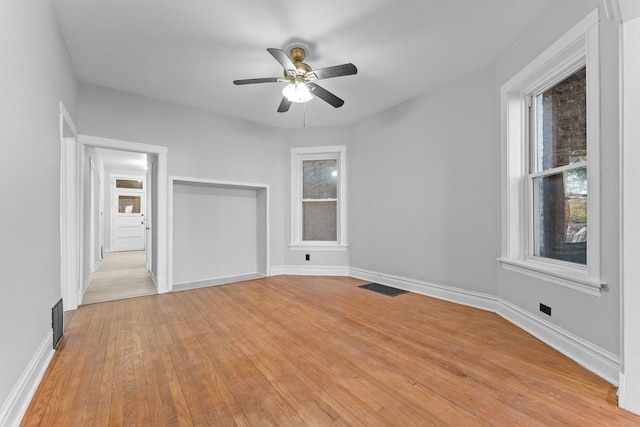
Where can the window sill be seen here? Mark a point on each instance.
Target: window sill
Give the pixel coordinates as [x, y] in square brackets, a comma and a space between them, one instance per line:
[575, 279]
[312, 247]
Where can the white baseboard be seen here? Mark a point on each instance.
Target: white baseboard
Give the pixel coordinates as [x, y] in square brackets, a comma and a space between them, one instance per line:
[447, 293]
[154, 278]
[594, 358]
[14, 408]
[85, 284]
[183, 286]
[313, 270]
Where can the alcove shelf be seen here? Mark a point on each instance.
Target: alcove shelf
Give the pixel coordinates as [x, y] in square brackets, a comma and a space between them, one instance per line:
[218, 232]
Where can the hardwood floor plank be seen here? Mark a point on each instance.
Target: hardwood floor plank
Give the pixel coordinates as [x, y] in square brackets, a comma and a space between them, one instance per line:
[301, 351]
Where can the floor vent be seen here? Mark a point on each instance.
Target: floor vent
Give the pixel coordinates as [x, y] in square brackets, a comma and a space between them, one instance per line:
[57, 323]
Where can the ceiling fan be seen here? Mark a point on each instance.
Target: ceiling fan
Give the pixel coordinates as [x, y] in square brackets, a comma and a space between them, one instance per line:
[301, 78]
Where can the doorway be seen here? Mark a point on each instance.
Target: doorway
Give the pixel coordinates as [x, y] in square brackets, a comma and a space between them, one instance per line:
[117, 216]
[76, 223]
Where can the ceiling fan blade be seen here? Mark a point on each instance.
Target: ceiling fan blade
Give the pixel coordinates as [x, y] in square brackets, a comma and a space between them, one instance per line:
[325, 95]
[252, 81]
[282, 57]
[284, 105]
[335, 71]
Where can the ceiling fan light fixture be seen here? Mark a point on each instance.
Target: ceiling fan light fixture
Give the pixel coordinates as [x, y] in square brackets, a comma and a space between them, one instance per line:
[297, 92]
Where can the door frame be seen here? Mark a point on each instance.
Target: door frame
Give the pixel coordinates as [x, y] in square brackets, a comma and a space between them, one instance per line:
[94, 216]
[72, 146]
[69, 213]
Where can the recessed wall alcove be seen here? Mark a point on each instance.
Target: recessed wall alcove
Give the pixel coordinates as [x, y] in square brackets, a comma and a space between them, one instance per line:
[218, 232]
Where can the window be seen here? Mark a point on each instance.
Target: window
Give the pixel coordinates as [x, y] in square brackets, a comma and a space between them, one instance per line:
[558, 170]
[318, 186]
[129, 204]
[550, 176]
[129, 183]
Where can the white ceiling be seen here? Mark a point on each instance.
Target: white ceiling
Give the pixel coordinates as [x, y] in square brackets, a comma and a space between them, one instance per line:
[123, 160]
[189, 51]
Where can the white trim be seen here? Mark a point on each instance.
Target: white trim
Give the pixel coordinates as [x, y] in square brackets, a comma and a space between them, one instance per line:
[556, 274]
[224, 184]
[594, 358]
[299, 154]
[612, 10]
[562, 44]
[216, 281]
[578, 47]
[154, 279]
[120, 144]
[629, 391]
[316, 270]
[161, 214]
[66, 120]
[318, 248]
[448, 293]
[69, 209]
[18, 400]
[85, 286]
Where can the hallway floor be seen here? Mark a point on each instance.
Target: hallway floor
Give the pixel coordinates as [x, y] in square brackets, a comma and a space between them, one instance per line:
[120, 275]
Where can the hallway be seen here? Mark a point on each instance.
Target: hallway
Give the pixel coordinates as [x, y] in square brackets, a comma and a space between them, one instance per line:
[120, 275]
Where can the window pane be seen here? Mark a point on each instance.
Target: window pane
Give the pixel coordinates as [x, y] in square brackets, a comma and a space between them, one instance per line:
[129, 204]
[128, 183]
[562, 216]
[320, 179]
[319, 221]
[561, 126]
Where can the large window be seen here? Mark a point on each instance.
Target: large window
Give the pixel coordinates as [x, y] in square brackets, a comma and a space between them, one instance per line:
[550, 178]
[318, 208]
[558, 169]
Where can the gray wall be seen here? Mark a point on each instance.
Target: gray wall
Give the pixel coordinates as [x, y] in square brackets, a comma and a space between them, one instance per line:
[214, 232]
[34, 77]
[424, 187]
[311, 137]
[200, 144]
[596, 319]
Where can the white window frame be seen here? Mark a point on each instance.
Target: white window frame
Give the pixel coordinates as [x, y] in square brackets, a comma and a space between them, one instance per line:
[577, 48]
[298, 155]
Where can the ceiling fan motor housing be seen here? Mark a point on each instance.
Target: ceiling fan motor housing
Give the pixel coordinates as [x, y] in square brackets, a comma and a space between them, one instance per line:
[297, 55]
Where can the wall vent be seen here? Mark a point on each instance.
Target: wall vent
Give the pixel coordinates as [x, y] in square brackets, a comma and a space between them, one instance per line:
[57, 323]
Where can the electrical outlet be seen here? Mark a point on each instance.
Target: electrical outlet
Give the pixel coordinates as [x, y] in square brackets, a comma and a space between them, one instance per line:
[307, 257]
[545, 309]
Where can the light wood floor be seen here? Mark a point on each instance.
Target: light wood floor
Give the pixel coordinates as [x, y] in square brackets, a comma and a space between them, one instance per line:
[292, 350]
[120, 275]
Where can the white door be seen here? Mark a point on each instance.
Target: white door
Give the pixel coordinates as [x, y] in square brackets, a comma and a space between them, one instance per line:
[127, 214]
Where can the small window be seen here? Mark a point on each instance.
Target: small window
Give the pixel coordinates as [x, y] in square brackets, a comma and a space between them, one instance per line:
[129, 204]
[318, 196]
[320, 200]
[129, 184]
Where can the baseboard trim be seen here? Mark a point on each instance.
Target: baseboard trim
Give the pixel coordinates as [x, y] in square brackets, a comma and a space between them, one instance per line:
[448, 293]
[154, 278]
[86, 283]
[14, 408]
[592, 357]
[315, 270]
[183, 286]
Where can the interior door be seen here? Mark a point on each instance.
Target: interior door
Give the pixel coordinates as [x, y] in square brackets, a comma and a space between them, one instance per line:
[127, 214]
